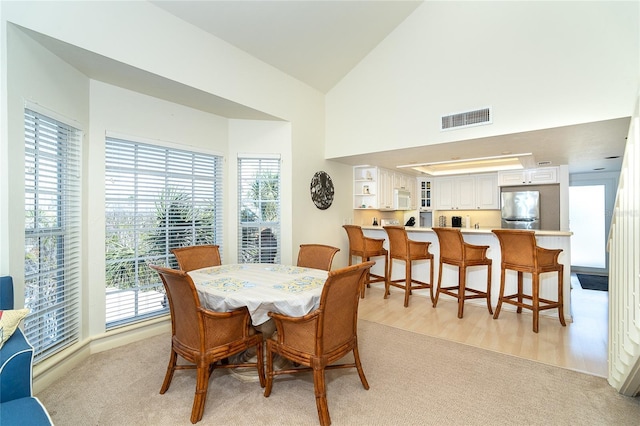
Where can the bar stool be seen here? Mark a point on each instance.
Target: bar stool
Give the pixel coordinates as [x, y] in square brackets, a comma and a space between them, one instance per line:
[521, 253]
[454, 251]
[406, 250]
[366, 248]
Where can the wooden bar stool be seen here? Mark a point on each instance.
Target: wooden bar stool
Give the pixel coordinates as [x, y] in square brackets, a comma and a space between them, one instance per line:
[406, 250]
[454, 251]
[366, 248]
[521, 253]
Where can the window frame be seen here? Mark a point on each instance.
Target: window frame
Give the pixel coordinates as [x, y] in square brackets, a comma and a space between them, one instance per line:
[157, 197]
[53, 225]
[259, 237]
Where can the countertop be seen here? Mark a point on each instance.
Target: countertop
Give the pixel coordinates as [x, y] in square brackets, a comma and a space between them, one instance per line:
[475, 231]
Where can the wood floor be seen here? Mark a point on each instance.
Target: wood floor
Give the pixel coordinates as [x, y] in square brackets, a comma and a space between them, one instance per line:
[580, 346]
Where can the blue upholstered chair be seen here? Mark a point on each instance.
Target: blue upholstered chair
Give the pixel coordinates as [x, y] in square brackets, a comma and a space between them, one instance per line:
[18, 406]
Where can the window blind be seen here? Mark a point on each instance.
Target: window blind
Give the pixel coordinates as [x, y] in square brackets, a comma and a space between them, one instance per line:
[52, 233]
[157, 199]
[259, 210]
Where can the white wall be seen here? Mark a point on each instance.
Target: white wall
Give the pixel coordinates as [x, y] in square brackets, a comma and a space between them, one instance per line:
[537, 64]
[140, 35]
[30, 82]
[119, 112]
[151, 40]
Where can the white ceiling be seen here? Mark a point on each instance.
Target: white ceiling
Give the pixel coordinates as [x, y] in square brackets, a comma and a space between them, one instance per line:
[319, 42]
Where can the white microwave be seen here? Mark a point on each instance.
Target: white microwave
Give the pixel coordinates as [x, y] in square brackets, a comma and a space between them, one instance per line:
[401, 199]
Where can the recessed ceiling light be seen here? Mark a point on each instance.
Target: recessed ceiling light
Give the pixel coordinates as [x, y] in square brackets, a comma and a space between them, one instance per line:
[474, 165]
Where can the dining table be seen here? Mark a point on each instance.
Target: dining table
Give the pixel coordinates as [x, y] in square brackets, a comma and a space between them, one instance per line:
[261, 288]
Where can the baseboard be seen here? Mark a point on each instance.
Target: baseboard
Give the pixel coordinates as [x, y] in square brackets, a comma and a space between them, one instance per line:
[52, 369]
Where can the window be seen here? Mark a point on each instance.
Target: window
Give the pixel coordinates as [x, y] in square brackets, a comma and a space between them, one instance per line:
[52, 233]
[259, 209]
[157, 199]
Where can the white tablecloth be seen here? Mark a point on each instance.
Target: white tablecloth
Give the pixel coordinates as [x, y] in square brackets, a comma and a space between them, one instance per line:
[261, 287]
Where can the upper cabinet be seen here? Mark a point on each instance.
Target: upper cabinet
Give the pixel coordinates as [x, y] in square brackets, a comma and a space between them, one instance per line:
[365, 187]
[386, 189]
[425, 194]
[540, 176]
[487, 192]
[373, 187]
[468, 192]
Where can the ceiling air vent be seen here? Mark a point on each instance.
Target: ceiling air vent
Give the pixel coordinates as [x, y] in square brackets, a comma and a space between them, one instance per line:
[466, 119]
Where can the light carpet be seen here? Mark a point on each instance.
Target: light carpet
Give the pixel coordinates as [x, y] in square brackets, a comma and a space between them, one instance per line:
[414, 379]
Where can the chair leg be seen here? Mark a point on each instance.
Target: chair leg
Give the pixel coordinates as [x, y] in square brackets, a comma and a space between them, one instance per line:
[202, 383]
[269, 373]
[321, 396]
[561, 297]
[462, 285]
[499, 305]
[260, 361]
[535, 301]
[387, 282]
[431, 279]
[407, 282]
[367, 280]
[489, 289]
[435, 300]
[520, 289]
[171, 368]
[356, 356]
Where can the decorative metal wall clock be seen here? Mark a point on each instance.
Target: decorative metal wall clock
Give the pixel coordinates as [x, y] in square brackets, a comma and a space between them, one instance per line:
[322, 190]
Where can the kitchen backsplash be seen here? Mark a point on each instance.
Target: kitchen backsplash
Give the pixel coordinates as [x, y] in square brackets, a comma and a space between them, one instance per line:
[485, 218]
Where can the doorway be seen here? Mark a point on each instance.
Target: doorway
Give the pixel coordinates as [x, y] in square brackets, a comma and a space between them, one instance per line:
[591, 200]
[587, 222]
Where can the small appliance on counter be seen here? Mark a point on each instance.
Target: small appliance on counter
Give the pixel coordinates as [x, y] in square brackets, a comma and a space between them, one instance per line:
[411, 221]
[391, 222]
[456, 221]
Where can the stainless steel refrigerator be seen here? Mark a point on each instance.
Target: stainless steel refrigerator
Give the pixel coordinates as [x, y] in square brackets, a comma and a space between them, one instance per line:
[521, 210]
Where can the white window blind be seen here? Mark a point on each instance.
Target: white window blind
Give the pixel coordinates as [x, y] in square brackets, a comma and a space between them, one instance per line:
[259, 210]
[52, 233]
[157, 199]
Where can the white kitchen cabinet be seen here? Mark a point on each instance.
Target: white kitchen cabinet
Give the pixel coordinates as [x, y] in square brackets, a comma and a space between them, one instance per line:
[425, 194]
[386, 189]
[408, 183]
[365, 187]
[487, 192]
[373, 187]
[455, 193]
[540, 176]
[412, 186]
[468, 192]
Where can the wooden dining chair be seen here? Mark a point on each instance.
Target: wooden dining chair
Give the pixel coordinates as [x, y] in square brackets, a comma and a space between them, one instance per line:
[316, 340]
[317, 256]
[196, 257]
[408, 251]
[455, 251]
[366, 248]
[521, 253]
[203, 337]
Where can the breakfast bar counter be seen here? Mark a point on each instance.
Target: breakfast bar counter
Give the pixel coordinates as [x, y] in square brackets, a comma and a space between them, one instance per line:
[478, 275]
